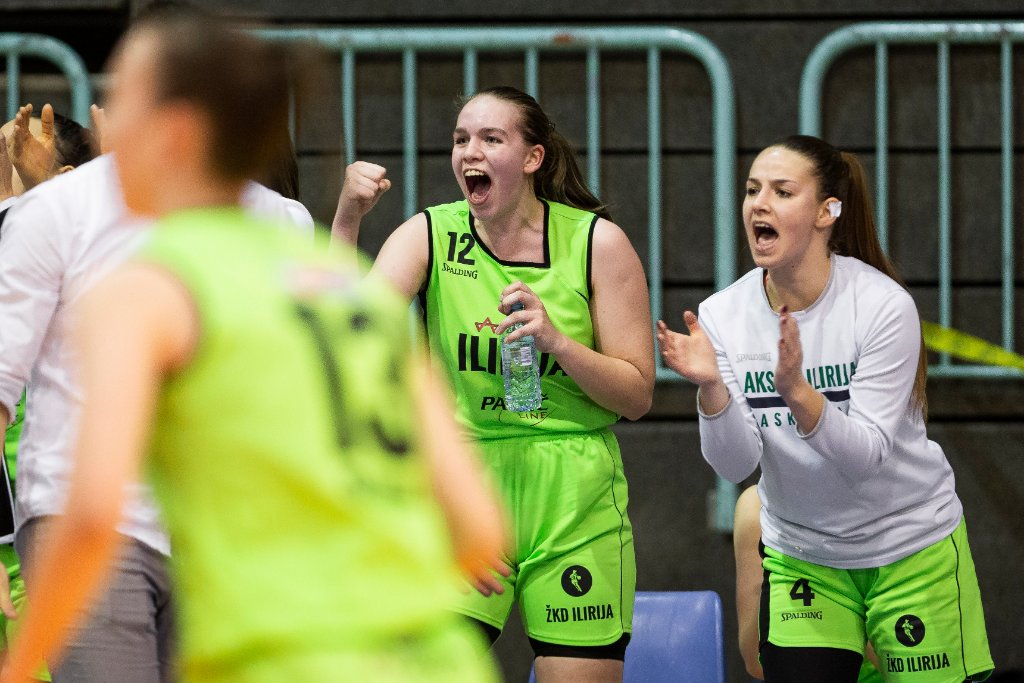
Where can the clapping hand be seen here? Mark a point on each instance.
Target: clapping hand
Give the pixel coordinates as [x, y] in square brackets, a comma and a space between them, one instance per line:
[788, 373]
[691, 355]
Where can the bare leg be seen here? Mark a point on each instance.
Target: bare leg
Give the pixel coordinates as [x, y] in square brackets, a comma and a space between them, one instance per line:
[577, 670]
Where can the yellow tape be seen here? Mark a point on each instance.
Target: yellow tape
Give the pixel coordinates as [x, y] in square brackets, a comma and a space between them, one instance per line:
[968, 347]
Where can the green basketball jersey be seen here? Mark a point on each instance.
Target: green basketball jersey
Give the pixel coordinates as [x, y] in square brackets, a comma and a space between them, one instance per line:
[285, 455]
[461, 304]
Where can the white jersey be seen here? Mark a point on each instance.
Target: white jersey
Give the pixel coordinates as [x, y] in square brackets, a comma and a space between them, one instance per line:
[866, 487]
[58, 240]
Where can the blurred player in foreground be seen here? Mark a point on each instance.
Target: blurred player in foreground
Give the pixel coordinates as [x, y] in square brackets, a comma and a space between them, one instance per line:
[306, 462]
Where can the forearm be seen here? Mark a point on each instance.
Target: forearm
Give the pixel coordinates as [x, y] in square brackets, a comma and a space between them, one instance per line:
[470, 507]
[856, 448]
[805, 404]
[345, 228]
[70, 570]
[613, 383]
[730, 443]
[713, 397]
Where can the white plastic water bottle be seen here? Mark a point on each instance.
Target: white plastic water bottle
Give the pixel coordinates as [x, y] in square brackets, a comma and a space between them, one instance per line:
[519, 363]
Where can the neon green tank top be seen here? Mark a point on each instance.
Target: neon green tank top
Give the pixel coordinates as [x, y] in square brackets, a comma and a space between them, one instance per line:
[285, 456]
[461, 305]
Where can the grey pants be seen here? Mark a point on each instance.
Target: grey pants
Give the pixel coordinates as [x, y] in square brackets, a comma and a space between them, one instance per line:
[128, 636]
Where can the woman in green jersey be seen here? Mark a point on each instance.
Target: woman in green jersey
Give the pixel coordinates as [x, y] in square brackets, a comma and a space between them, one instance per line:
[529, 232]
[309, 474]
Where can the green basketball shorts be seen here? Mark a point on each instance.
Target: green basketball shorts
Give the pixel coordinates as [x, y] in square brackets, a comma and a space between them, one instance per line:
[922, 614]
[574, 567]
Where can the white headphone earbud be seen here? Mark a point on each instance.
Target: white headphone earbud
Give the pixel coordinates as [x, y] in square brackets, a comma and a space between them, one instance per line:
[835, 208]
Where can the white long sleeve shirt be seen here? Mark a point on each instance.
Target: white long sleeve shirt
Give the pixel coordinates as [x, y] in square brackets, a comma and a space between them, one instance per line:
[866, 487]
[59, 239]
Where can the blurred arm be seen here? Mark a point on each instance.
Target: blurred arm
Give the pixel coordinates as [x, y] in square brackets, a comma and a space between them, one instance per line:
[133, 327]
[470, 506]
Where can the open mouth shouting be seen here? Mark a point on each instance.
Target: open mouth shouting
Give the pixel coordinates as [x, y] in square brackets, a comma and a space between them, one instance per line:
[478, 185]
[764, 235]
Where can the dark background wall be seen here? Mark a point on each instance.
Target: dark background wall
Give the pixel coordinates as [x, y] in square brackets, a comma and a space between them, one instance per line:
[977, 422]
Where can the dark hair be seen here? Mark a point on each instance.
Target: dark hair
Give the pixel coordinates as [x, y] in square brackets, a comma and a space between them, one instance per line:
[241, 82]
[75, 144]
[558, 178]
[282, 175]
[841, 175]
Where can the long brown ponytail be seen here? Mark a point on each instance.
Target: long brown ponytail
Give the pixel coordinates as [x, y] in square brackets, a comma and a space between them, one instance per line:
[559, 178]
[841, 175]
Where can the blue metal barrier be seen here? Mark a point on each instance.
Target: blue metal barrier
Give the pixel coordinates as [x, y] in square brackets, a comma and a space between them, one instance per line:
[18, 45]
[942, 34]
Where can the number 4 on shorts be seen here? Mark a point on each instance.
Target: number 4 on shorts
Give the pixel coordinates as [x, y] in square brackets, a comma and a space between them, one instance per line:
[802, 591]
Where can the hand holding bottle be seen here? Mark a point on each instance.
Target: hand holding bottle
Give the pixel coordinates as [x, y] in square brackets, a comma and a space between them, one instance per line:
[533, 318]
[520, 354]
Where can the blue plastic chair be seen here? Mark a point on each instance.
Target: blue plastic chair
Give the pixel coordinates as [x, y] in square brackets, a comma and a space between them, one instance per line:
[678, 637]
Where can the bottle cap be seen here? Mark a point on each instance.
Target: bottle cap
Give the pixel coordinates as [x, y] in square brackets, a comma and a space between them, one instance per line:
[517, 306]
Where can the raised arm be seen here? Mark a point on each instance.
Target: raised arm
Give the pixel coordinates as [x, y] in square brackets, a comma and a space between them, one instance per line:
[859, 441]
[729, 437]
[364, 185]
[152, 321]
[402, 259]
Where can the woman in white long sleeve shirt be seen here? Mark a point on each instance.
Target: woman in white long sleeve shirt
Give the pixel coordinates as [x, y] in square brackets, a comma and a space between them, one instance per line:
[812, 366]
